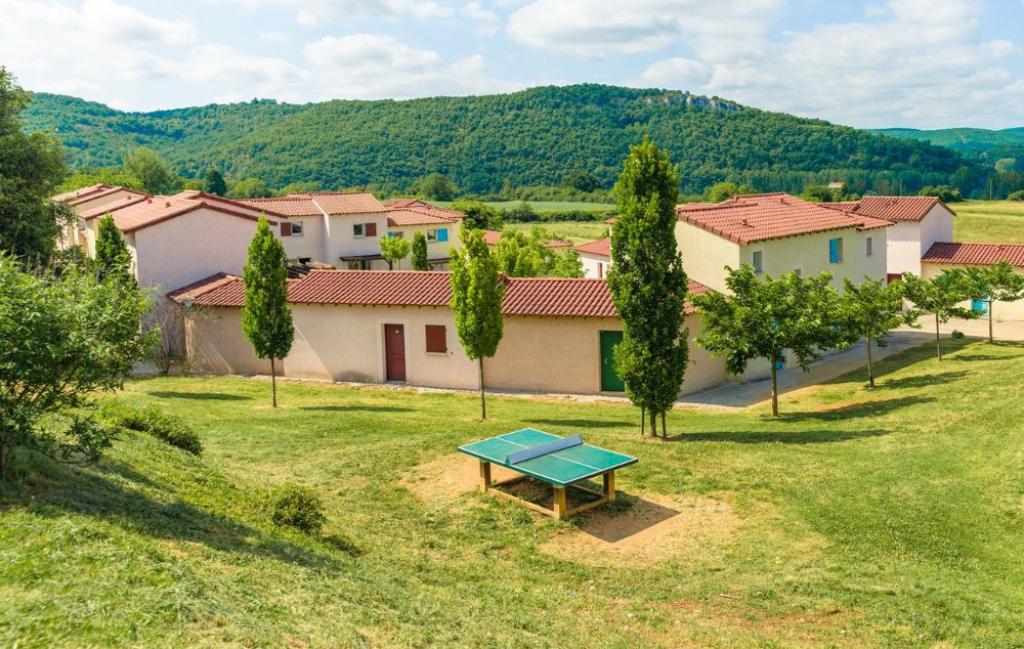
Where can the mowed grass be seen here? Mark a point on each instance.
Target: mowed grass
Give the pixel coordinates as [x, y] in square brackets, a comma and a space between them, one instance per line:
[891, 517]
[989, 221]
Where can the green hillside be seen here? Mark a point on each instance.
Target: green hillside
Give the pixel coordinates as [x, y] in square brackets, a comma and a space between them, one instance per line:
[533, 137]
[983, 144]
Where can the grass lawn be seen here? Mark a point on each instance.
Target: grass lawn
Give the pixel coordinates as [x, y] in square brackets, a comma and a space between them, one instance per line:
[884, 518]
[989, 221]
[575, 231]
[542, 207]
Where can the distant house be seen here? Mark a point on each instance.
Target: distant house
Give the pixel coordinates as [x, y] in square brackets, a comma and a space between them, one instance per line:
[945, 255]
[596, 257]
[775, 234]
[559, 334]
[918, 222]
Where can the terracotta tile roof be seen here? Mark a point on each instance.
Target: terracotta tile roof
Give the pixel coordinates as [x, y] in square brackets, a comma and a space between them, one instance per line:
[892, 208]
[130, 198]
[492, 237]
[559, 243]
[286, 205]
[405, 202]
[81, 192]
[975, 254]
[155, 209]
[228, 202]
[842, 206]
[348, 202]
[760, 217]
[601, 247]
[398, 217]
[533, 296]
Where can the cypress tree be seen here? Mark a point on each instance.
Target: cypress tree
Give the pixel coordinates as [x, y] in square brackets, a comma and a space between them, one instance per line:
[266, 318]
[112, 257]
[419, 252]
[214, 182]
[477, 290]
[647, 282]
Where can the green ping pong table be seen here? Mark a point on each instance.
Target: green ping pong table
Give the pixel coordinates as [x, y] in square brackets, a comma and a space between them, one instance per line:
[559, 461]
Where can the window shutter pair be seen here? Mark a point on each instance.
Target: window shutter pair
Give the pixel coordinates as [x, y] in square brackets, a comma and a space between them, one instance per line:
[442, 234]
[436, 340]
[370, 229]
[286, 229]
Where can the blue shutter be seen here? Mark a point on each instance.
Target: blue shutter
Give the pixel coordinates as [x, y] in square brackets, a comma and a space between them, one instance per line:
[833, 251]
[979, 306]
[442, 234]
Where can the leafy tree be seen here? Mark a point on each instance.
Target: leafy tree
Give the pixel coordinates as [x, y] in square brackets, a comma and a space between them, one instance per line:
[940, 296]
[764, 317]
[725, 190]
[871, 310]
[266, 318]
[419, 252]
[435, 186]
[113, 176]
[112, 257]
[478, 215]
[77, 335]
[581, 180]
[249, 188]
[997, 282]
[821, 194]
[568, 263]
[30, 168]
[214, 182]
[299, 188]
[394, 250]
[944, 193]
[648, 284]
[147, 165]
[477, 291]
[517, 255]
[1016, 196]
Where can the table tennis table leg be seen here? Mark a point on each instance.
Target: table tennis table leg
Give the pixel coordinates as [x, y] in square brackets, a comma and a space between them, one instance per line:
[609, 486]
[560, 502]
[485, 475]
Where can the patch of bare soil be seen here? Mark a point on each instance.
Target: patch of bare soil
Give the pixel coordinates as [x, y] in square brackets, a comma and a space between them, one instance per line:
[448, 477]
[646, 530]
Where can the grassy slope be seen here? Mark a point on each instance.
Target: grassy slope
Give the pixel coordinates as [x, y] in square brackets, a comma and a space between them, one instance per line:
[885, 518]
[989, 221]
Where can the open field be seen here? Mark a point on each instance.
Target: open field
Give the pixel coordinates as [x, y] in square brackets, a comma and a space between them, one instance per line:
[543, 207]
[989, 221]
[575, 231]
[884, 518]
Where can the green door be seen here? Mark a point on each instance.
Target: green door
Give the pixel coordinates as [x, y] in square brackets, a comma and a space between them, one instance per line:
[610, 381]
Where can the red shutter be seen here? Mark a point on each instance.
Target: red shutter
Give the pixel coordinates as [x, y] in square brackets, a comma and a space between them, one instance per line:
[436, 341]
[286, 229]
[370, 229]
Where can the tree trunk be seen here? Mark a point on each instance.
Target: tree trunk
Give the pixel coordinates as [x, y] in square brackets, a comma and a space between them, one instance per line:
[483, 400]
[391, 265]
[273, 382]
[775, 389]
[654, 423]
[938, 343]
[5, 455]
[871, 372]
[664, 428]
[990, 339]
[643, 422]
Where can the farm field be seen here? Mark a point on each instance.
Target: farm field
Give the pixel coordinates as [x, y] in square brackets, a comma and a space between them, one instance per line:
[543, 207]
[989, 221]
[883, 518]
[575, 231]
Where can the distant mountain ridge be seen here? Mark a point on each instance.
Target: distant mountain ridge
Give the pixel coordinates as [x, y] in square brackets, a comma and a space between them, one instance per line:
[984, 144]
[483, 143]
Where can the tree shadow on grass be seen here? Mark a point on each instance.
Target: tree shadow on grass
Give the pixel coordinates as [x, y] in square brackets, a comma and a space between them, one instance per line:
[88, 492]
[876, 408]
[984, 357]
[358, 407]
[924, 380]
[581, 423]
[199, 396]
[777, 437]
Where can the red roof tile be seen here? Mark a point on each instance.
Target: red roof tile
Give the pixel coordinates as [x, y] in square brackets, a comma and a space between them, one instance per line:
[155, 209]
[130, 198]
[405, 202]
[81, 192]
[534, 296]
[891, 208]
[492, 237]
[228, 202]
[348, 202]
[975, 254]
[746, 219]
[399, 217]
[601, 247]
[286, 205]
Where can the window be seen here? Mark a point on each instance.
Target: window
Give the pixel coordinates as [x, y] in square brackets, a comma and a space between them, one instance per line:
[431, 235]
[396, 235]
[835, 250]
[436, 340]
[870, 247]
[358, 231]
[359, 264]
[758, 262]
[297, 229]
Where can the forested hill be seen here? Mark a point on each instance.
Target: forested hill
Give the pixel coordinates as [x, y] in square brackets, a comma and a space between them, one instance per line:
[985, 145]
[533, 137]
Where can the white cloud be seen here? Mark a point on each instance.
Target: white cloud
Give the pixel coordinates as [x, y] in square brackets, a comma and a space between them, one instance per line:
[313, 12]
[677, 72]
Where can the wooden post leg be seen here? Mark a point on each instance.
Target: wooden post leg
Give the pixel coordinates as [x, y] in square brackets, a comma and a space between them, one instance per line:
[609, 486]
[560, 502]
[485, 475]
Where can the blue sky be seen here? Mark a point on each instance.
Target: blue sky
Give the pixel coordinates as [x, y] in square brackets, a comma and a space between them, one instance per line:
[920, 63]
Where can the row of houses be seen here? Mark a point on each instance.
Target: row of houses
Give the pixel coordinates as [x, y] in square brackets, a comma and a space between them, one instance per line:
[355, 322]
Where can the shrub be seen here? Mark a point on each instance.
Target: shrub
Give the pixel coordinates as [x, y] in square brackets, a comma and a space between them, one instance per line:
[1016, 196]
[298, 507]
[169, 428]
[957, 334]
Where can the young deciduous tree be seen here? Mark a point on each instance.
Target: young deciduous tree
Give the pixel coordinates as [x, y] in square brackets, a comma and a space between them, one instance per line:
[996, 283]
[214, 182]
[147, 165]
[394, 250]
[478, 215]
[76, 335]
[940, 296]
[871, 310]
[419, 252]
[112, 256]
[266, 318]
[477, 291]
[648, 284]
[764, 317]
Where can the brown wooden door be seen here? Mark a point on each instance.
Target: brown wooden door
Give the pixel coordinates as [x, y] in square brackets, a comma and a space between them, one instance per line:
[394, 352]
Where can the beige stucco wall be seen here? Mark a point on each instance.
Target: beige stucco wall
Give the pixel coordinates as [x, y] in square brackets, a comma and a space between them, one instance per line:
[342, 343]
[310, 243]
[705, 255]
[435, 249]
[102, 201]
[340, 241]
[809, 254]
[1000, 310]
[594, 266]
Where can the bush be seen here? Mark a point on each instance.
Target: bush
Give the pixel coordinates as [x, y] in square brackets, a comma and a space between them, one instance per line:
[1016, 196]
[169, 428]
[957, 334]
[298, 507]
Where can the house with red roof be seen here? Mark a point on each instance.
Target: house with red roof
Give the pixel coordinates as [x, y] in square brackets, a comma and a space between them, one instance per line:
[918, 223]
[778, 233]
[596, 257]
[397, 326]
[944, 255]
